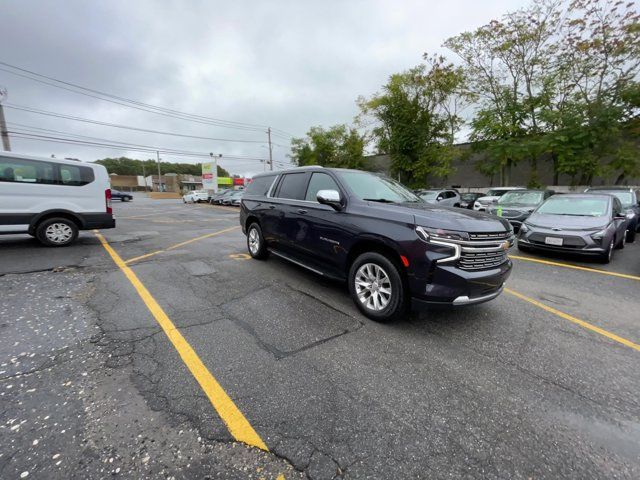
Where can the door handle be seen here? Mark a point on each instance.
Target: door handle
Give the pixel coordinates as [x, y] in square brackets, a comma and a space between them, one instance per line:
[302, 211]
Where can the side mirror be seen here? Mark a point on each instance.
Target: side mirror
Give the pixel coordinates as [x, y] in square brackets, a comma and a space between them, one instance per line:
[329, 197]
[438, 199]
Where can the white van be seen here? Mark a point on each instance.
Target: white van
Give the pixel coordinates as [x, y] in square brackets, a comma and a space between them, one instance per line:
[52, 199]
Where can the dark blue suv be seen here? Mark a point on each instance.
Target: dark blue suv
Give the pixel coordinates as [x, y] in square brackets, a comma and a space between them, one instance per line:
[391, 247]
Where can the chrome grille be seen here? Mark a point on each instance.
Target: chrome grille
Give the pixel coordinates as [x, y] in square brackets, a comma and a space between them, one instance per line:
[481, 260]
[490, 236]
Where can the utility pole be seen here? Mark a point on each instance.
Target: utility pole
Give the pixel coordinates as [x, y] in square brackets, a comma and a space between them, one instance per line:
[159, 174]
[270, 148]
[144, 175]
[3, 125]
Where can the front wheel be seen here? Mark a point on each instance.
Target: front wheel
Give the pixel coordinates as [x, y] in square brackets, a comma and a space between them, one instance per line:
[57, 232]
[255, 242]
[377, 289]
[608, 253]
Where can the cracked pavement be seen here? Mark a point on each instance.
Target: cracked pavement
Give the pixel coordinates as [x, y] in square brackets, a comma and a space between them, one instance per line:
[90, 387]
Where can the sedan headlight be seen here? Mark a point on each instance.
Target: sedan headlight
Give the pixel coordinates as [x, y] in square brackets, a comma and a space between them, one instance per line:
[524, 228]
[599, 235]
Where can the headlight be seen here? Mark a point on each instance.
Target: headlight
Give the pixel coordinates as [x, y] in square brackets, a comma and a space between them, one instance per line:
[428, 234]
[599, 235]
[477, 205]
[524, 228]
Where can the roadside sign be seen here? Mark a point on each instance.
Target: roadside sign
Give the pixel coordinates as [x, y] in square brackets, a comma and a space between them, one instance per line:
[210, 176]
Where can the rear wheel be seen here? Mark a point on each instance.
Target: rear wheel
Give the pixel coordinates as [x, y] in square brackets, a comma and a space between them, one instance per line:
[255, 242]
[631, 234]
[57, 232]
[126, 199]
[377, 289]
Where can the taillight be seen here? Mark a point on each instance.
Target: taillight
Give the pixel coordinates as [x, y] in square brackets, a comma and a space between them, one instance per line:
[107, 200]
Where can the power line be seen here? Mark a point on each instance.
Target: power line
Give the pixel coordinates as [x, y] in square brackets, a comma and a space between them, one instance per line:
[123, 101]
[126, 127]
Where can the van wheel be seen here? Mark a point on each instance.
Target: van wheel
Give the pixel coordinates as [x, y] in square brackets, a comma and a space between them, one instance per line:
[57, 232]
[377, 288]
[255, 242]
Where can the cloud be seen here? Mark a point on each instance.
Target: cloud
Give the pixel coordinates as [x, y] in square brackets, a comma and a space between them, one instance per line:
[287, 64]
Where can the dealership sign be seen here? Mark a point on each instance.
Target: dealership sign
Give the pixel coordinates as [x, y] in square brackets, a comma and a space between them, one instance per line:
[210, 176]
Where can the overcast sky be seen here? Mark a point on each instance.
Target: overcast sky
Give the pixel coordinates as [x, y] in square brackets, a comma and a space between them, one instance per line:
[287, 64]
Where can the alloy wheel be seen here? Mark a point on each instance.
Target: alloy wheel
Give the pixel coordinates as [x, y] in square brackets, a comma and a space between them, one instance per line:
[373, 287]
[58, 233]
[254, 241]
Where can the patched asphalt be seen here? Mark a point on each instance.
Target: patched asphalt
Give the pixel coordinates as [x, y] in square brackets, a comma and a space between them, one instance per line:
[90, 387]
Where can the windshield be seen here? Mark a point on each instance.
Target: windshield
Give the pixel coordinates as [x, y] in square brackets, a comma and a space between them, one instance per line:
[429, 195]
[626, 199]
[584, 207]
[521, 198]
[369, 186]
[496, 192]
[469, 196]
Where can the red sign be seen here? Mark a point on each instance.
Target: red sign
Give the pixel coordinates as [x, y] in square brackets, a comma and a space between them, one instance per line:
[238, 181]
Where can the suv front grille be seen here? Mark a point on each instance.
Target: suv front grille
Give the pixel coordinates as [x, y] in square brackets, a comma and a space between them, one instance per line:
[490, 236]
[481, 260]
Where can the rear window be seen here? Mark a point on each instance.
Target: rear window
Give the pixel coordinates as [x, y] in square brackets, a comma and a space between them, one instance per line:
[293, 185]
[260, 185]
[30, 171]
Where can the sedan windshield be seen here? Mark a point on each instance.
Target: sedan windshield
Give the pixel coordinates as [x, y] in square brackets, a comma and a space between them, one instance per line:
[583, 207]
[625, 197]
[467, 197]
[496, 192]
[376, 188]
[520, 198]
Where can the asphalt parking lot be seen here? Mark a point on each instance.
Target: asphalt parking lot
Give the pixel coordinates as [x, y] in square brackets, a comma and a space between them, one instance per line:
[147, 351]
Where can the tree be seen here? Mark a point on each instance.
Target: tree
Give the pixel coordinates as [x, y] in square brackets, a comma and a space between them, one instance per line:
[129, 166]
[339, 146]
[415, 119]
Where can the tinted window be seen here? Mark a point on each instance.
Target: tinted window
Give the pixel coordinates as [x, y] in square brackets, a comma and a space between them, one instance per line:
[75, 175]
[573, 206]
[293, 185]
[26, 171]
[260, 185]
[320, 181]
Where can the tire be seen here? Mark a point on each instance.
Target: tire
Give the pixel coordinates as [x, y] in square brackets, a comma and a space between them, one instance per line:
[373, 270]
[57, 232]
[608, 254]
[457, 205]
[631, 235]
[522, 248]
[620, 243]
[126, 199]
[255, 242]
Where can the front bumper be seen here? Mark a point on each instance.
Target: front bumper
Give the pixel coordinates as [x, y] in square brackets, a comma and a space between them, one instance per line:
[576, 243]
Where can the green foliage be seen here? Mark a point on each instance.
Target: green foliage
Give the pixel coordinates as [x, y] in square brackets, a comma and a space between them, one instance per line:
[415, 120]
[129, 166]
[339, 146]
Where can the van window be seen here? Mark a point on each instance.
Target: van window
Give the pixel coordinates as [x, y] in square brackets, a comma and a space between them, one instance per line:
[26, 171]
[260, 185]
[320, 181]
[293, 185]
[75, 175]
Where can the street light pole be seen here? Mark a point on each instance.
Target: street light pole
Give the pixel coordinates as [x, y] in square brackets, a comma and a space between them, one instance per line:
[270, 149]
[3, 125]
[159, 174]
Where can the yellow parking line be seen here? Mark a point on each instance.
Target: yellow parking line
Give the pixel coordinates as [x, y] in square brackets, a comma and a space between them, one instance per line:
[233, 418]
[181, 244]
[575, 267]
[575, 320]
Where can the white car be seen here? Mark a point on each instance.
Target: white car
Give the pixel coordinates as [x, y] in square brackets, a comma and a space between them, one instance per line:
[196, 196]
[53, 199]
[446, 197]
[492, 197]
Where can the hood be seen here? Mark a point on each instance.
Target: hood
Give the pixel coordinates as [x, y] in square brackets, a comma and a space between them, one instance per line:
[489, 199]
[567, 222]
[450, 218]
[513, 207]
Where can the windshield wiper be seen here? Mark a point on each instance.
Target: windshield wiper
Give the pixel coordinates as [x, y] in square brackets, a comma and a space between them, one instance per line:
[381, 200]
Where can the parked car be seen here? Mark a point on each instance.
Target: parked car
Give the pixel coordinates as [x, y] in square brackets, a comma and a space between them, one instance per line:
[446, 197]
[53, 199]
[195, 196]
[122, 196]
[221, 198]
[234, 199]
[630, 200]
[492, 197]
[393, 249]
[586, 224]
[517, 205]
[214, 197]
[467, 199]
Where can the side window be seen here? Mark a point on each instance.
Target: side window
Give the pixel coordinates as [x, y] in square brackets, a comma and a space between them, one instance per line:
[451, 194]
[26, 171]
[319, 181]
[617, 207]
[75, 175]
[293, 186]
[260, 185]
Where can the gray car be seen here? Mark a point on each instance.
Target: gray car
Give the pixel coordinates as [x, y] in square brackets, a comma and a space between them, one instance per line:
[586, 224]
[630, 200]
[445, 197]
[517, 205]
